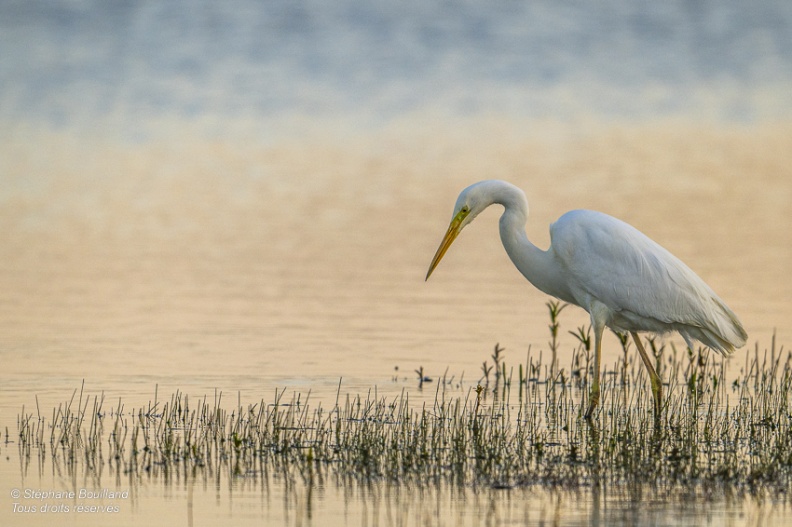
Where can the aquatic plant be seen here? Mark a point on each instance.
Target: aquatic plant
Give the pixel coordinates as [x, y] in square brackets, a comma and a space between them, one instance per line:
[714, 438]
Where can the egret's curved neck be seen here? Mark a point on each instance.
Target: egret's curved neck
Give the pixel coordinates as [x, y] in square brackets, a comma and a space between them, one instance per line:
[538, 266]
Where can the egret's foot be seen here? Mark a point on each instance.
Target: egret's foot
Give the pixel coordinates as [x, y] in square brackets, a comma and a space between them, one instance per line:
[593, 401]
[657, 393]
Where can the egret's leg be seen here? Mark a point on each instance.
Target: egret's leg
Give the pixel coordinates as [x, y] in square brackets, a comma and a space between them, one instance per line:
[654, 378]
[594, 395]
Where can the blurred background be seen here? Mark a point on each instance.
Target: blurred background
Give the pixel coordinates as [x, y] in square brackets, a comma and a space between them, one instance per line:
[124, 67]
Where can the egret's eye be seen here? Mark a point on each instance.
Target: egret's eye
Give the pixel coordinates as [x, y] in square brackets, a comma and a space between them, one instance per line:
[465, 209]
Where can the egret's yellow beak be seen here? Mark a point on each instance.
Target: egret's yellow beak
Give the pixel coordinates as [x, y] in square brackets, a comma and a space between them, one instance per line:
[453, 231]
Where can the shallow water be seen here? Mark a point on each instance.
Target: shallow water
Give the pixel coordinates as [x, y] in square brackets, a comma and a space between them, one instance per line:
[165, 228]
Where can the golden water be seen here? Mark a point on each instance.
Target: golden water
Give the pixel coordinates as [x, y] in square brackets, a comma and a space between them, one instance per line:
[208, 266]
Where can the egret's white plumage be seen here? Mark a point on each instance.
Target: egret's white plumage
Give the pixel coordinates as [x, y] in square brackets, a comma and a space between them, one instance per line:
[622, 278]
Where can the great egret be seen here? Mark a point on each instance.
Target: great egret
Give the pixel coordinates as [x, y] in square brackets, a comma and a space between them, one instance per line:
[623, 279]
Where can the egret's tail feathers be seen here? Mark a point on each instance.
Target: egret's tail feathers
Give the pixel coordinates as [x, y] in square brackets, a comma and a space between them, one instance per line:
[711, 340]
[731, 329]
[723, 332]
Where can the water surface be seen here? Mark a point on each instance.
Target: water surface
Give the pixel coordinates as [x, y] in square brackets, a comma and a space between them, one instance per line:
[245, 198]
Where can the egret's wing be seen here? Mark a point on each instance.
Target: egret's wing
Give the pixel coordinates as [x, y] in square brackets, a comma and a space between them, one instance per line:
[644, 285]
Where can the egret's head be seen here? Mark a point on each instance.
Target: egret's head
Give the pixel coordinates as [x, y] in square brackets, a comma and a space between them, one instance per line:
[469, 204]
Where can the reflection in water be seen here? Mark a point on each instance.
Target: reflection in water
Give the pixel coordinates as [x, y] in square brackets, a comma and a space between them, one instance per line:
[280, 498]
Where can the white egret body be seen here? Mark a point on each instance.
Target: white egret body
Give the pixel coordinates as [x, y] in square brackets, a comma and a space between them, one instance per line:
[623, 279]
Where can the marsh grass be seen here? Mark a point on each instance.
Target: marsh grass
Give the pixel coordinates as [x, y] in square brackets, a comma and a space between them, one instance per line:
[715, 438]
